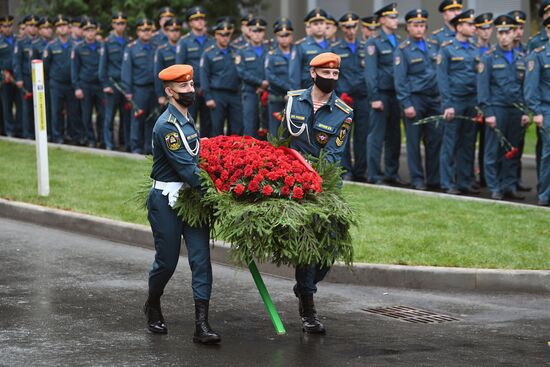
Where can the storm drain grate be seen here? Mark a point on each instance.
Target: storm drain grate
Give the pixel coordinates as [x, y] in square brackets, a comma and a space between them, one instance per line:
[411, 314]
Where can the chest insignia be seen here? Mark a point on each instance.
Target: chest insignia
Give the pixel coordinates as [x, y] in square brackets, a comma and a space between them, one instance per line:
[173, 141]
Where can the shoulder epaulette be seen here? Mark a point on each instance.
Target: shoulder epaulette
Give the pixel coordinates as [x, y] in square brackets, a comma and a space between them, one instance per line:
[343, 106]
[172, 119]
[446, 43]
[209, 48]
[271, 52]
[539, 49]
[432, 41]
[404, 44]
[294, 93]
[490, 51]
[239, 47]
[131, 44]
[335, 43]
[185, 36]
[437, 31]
[363, 42]
[162, 46]
[51, 42]
[300, 41]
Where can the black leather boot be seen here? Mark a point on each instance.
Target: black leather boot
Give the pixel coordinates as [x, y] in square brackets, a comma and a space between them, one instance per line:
[203, 332]
[310, 322]
[155, 320]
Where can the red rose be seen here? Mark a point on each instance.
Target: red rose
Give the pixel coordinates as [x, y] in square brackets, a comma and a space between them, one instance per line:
[267, 190]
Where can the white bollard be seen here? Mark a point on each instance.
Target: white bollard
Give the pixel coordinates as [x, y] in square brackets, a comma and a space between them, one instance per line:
[41, 134]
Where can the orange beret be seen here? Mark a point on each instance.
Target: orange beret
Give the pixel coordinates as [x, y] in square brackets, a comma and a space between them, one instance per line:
[177, 73]
[326, 60]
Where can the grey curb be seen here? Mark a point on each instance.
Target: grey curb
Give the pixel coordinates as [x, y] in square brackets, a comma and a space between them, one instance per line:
[418, 277]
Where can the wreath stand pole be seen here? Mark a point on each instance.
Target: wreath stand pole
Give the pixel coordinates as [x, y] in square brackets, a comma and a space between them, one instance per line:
[275, 319]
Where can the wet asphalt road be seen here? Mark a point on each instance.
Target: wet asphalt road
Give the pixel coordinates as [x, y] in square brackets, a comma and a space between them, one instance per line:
[67, 299]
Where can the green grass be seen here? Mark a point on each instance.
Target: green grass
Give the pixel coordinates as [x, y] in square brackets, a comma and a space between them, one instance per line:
[395, 227]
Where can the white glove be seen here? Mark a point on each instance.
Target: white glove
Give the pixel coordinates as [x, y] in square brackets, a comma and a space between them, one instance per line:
[172, 190]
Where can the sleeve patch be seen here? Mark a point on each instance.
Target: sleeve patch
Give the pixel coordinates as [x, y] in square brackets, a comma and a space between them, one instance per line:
[173, 141]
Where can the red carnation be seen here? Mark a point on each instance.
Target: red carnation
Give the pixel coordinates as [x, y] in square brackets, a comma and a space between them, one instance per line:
[479, 119]
[218, 184]
[239, 189]
[264, 97]
[297, 193]
[289, 180]
[511, 153]
[346, 98]
[128, 106]
[27, 96]
[285, 191]
[267, 190]
[253, 186]
[139, 113]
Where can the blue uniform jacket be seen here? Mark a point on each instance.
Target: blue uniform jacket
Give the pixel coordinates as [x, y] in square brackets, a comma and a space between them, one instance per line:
[165, 56]
[85, 64]
[538, 40]
[500, 83]
[352, 68]
[537, 80]
[137, 66]
[218, 70]
[414, 71]
[328, 129]
[304, 51]
[442, 35]
[172, 162]
[38, 46]
[379, 66]
[457, 71]
[6, 53]
[57, 61]
[110, 60]
[251, 67]
[22, 55]
[189, 51]
[277, 70]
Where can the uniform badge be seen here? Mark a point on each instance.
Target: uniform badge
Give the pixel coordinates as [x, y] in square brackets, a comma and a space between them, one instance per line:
[201, 64]
[397, 60]
[293, 55]
[371, 49]
[321, 139]
[480, 67]
[237, 59]
[341, 138]
[45, 54]
[173, 141]
[438, 59]
[126, 56]
[531, 65]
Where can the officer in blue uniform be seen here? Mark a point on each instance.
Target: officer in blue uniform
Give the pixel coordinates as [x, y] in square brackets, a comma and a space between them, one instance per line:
[250, 63]
[416, 88]
[165, 54]
[221, 83]
[500, 86]
[457, 79]
[189, 51]
[8, 90]
[331, 27]
[176, 147]
[45, 32]
[277, 72]
[138, 84]
[57, 66]
[384, 125]
[110, 63]
[316, 119]
[369, 28]
[307, 48]
[76, 29]
[244, 38]
[85, 80]
[352, 85]
[161, 37]
[540, 39]
[448, 9]
[22, 72]
[537, 98]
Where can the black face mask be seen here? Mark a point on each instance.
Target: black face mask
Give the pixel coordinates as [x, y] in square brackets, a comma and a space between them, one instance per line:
[185, 99]
[324, 84]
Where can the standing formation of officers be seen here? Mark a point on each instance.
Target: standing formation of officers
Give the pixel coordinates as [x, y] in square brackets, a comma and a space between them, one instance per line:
[242, 86]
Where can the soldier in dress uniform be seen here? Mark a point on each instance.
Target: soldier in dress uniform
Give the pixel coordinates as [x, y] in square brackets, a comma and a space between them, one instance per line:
[500, 86]
[110, 64]
[22, 72]
[221, 83]
[76, 29]
[160, 37]
[45, 32]
[448, 9]
[176, 148]
[369, 27]
[457, 80]
[307, 48]
[244, 38]
[85, 80]
[416, 88]
[316, 119]
[57, 66]
[277, 72]
[8, 91]
[352, 88]
[384, 124]
[541, 38]
[165, 54]
[138, 85]
[189, 51]
[250, 63]
[331, 28]
[537, 98]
